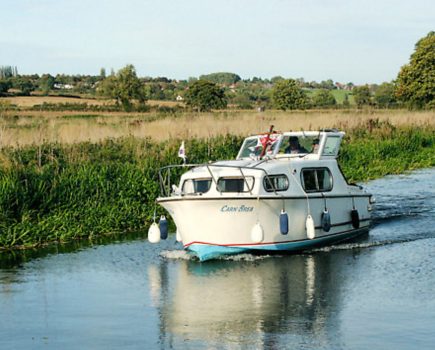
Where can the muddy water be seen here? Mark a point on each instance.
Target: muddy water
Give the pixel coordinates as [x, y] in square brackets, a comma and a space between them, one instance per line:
[377, 292]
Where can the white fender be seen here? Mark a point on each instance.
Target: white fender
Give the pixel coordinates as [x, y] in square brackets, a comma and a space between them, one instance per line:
[309, 225]
[154, 233]
[257, 234]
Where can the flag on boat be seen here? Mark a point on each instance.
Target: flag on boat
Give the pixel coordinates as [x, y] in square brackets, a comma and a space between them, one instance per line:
[267, 141]
[182, 152]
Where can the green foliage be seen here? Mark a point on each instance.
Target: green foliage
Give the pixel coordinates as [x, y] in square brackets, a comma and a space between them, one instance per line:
[46, 83]
[205, 95]
[242, 101]
[23, 83]
[68, 106]
[249, 94]
[416, 80]
[346, 102]
[384, 96]
[276, 79]
[62, 192]
[327, 84]
[376, 149]
[222, 78]
[286, 94]
[362, 95]
[124, 87]
[8, 72]
[103, 72]
[323, 99]
[5, 85]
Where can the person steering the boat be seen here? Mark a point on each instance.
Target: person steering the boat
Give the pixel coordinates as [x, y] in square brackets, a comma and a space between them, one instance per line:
[315, 146]
[294, 147]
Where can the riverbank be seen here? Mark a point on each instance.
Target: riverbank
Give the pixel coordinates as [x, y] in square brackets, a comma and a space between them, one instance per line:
[55, 192]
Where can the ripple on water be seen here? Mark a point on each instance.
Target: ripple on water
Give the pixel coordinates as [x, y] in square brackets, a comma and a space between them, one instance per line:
[177, 255]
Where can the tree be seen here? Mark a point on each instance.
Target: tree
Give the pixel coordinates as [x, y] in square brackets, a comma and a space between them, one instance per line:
[5, 85]
[286, 94]
[276, 79]
[328, 84]
[124, 87]
[223, 78]
[8, 72]
[205, 95]
[46, 83]
[323, 98]
[362, 95]
[23, 83]
[384, 95]
[242, 101]
[103, 73]
[415, 84]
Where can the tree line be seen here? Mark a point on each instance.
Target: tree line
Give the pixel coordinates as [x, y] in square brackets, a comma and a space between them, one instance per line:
[414, 87]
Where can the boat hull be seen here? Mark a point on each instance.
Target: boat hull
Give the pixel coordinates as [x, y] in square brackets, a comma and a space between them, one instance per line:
[221, 226]
[209, 251]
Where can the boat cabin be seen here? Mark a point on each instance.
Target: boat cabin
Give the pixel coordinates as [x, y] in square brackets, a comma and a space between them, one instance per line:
[310, 144]
[268, 164]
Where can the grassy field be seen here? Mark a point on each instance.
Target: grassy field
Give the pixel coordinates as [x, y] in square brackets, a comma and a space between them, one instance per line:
[25, 126]
[339, 95]
[26, 102]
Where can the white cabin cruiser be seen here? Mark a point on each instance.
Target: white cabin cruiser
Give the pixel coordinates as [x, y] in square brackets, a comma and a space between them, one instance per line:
[284, 192]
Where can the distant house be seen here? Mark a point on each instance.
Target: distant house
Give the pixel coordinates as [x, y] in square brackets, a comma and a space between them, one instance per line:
[340, 86]
[63, 86]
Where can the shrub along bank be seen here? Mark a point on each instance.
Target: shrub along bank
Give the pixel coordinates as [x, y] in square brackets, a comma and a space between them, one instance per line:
[58, 192]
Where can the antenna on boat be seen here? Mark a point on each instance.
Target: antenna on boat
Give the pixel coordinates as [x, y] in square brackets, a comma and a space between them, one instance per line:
[263, 152]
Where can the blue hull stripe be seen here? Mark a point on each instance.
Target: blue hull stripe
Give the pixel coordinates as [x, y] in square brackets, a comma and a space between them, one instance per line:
[208, 251]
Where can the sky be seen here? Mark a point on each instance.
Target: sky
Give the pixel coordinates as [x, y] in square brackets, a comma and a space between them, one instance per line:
[359, 41]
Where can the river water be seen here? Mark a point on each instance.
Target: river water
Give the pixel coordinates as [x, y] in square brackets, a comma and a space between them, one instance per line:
[375, 293]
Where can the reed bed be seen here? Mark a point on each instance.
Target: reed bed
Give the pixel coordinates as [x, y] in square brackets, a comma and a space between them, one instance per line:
[57, 192]
[19, 128]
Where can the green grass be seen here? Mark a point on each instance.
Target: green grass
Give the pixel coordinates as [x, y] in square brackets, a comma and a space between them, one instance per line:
[59, 192]
[339, 95]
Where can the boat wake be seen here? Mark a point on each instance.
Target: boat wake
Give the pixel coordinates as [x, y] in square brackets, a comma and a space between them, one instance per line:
[184, 255]
[247, 257]
[177, 255]
[365, 245]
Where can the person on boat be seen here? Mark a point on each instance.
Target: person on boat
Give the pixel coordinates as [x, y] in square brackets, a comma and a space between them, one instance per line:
[294, 147]
[315, 148]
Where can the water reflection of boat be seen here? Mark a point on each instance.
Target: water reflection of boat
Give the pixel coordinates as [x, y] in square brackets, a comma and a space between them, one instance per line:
[285, 191]
[249, 303]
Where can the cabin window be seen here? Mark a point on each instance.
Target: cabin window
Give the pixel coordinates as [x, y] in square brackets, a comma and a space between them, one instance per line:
[235, 184]
[316, 179]
[331, 146]
[275, 182]
[301, 144]
[194, 186]
[251, 147]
